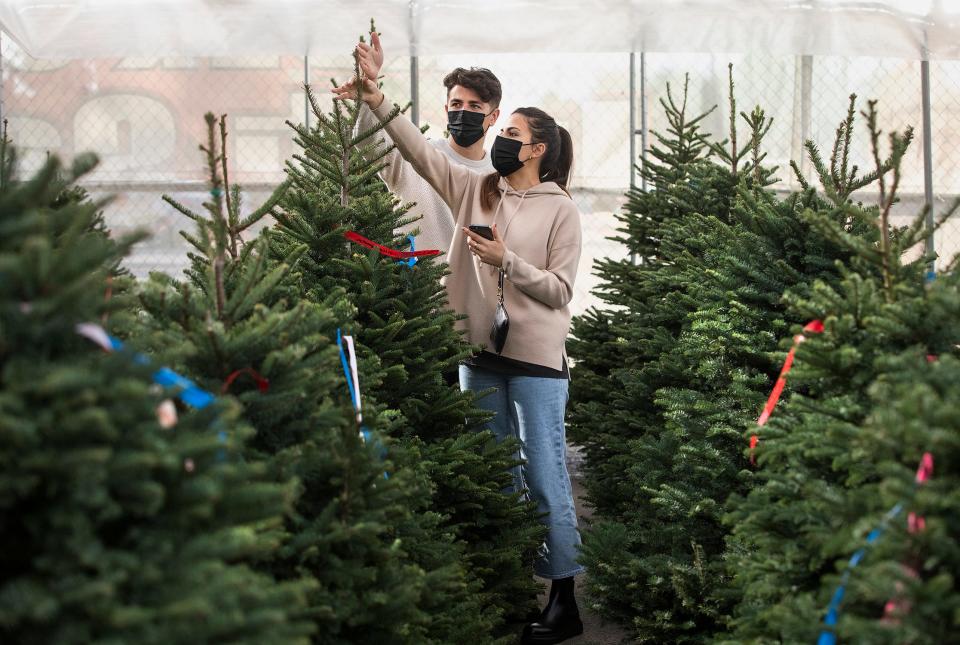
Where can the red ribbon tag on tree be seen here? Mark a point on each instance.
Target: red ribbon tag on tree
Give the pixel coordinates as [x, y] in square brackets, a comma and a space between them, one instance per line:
[812, 327]
[263, 384]
[387, 251]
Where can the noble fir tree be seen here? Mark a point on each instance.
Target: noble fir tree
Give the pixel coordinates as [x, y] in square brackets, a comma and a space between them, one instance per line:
[698, 339]
[637, 575]
[407, 344]
[379, 566]
[841, 451]
[640, 293]
[125, 517]
[904, 590]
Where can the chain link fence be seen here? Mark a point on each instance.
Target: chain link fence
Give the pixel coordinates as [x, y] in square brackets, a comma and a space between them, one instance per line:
[144, 117]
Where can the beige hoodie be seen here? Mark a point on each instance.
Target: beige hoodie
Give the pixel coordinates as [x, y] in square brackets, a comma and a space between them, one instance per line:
[540, 228]
[435, 222]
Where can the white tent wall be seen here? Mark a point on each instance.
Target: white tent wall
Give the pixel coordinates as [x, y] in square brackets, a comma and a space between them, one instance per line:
[143, 113]
[107, 28]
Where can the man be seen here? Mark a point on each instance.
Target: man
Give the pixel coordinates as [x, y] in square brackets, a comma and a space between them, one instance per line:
[472, 106]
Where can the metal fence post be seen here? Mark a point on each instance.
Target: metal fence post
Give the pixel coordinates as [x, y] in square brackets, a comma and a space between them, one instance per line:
[414, 68]
[415, 90]
[643, 119]
[633, 120]
[642, 130]
[2, 106]
[927, 153]
[806, 108]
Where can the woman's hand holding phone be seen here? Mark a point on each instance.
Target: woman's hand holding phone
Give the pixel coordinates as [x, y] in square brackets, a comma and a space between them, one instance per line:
[482, 230]
[489, 251]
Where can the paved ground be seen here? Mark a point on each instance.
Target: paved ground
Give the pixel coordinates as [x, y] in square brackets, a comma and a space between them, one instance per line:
[596, 631]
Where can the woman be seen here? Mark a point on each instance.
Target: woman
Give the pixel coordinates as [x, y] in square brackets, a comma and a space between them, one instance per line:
[536, 247]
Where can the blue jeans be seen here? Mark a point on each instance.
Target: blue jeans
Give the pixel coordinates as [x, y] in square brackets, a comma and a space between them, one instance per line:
[532, 409]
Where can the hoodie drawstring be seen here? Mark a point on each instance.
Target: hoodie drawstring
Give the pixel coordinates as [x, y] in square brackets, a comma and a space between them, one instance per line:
[503, 235]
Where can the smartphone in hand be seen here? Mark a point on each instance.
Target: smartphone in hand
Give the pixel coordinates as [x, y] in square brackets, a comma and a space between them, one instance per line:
[482, 230]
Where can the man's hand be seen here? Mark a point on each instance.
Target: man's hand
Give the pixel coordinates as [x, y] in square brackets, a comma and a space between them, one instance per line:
[489, 251]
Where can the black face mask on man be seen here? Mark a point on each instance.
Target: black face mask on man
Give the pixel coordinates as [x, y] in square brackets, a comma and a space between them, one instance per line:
[465, 127]
[505, 155]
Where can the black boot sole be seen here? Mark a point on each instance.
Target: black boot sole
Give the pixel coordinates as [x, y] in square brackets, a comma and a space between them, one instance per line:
[553, 637]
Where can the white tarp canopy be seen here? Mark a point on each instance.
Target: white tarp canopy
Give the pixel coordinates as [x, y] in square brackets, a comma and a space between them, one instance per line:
[105, 28]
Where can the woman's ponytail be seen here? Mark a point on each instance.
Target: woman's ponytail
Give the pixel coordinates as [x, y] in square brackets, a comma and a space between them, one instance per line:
[557, 162]
[564, 167]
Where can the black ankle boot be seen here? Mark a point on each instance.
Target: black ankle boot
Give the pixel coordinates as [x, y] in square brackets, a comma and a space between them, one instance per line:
[559, 620]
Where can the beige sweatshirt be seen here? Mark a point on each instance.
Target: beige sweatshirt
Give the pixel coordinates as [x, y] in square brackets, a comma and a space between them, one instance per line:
[540, 228]
[434, 226]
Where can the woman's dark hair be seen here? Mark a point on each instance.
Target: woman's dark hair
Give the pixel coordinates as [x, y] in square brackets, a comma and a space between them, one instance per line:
[479, 79]
[556, 163]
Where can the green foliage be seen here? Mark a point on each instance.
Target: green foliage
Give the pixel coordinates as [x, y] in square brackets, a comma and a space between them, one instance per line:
[869, 399]
[670, 376]
[409, 350]
[379, 566]
[114, 529]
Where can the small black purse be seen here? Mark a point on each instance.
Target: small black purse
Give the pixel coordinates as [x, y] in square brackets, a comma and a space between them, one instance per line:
[501, 321]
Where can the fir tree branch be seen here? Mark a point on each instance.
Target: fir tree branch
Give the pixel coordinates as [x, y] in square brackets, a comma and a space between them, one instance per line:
[231, 213]
[236, 199]
[824, 174]
[322, 120]
[266, 208]
[186, 295]
[323, 150]
[359, 179]
[180, 207]
[247, 280]
[216, 186]
[220, 227]
[733, 122]
[321, 167]
[918, 232]
[845, 177]
[193, 241]
[835, 179]
[343, 136]
[261, 289]
[301, 181]
[373, 153]
[759, 127]
[218, 263]
[369, 132]
[898, 147]
[6, 158]
[869, 178]
[241, 262]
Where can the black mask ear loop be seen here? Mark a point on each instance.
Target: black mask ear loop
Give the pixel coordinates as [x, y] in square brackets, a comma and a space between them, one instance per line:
[487, 129]
[532, 143]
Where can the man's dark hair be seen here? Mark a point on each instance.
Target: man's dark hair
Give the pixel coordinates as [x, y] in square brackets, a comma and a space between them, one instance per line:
[479, 79]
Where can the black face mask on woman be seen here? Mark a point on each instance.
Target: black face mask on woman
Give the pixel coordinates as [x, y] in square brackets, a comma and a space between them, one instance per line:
[465, 127]
[505, 155]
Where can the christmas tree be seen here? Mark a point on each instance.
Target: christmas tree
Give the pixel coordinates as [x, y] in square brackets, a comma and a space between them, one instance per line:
[641, 293]
[407, 343]
[124, 516]
[842, 449]
[698, 338]
[903, 590]
[380, 567]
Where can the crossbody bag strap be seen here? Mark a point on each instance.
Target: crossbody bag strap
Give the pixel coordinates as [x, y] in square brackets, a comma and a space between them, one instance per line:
[500, 287]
